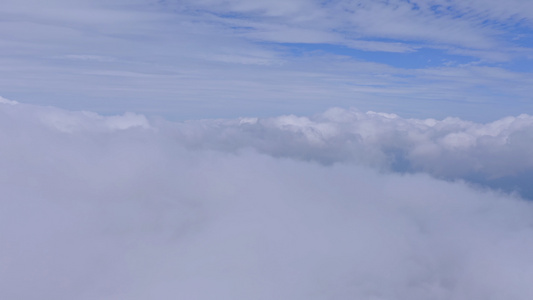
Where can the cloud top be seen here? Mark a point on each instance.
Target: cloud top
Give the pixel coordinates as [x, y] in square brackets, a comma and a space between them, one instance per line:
[495, 154]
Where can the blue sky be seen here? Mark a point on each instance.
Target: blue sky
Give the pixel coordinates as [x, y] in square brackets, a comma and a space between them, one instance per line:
[224, 59]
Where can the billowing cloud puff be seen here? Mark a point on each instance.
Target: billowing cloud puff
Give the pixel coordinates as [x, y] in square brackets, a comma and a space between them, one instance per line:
[120, 207]
[495, 154]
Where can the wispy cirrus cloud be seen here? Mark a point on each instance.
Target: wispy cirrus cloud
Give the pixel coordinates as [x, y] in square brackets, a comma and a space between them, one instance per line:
[204, 59]
[472, 25]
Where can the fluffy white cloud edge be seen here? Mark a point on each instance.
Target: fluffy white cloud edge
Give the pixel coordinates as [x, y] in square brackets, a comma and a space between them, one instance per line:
[495, 154]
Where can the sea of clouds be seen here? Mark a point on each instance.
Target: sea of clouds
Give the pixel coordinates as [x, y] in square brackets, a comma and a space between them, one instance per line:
[341, 205]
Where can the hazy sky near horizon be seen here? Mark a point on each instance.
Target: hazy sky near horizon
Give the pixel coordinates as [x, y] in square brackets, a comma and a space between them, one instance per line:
[225, 59]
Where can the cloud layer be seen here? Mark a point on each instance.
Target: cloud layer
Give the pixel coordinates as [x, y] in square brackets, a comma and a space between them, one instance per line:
[123, 207]
[496, 154]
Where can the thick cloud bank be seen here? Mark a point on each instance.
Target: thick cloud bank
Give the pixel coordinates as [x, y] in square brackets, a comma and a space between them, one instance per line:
[496, 154]
[122, 207]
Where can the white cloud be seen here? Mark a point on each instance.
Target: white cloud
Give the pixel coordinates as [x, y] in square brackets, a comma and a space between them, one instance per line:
[107, 211]
[492, 153]
[7, 101]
